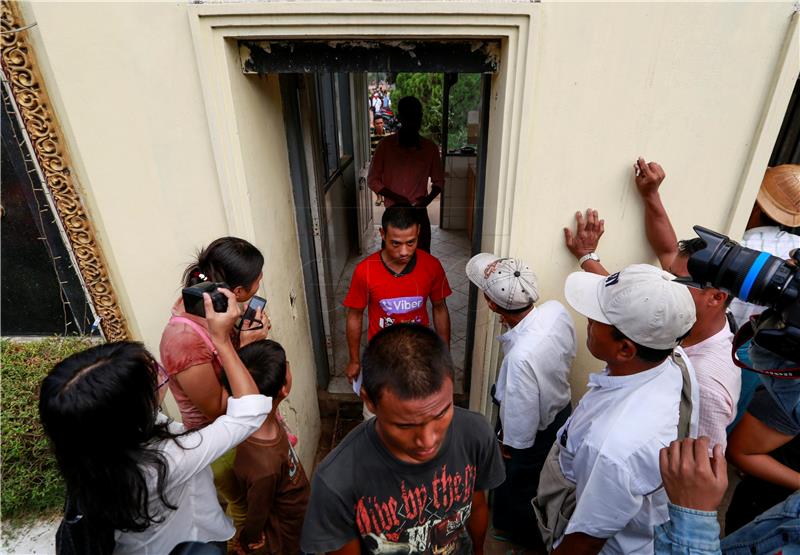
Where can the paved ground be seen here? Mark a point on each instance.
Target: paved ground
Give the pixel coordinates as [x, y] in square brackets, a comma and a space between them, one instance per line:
[35, 539]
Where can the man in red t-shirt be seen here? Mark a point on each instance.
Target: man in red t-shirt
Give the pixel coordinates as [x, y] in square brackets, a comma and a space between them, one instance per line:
[394, 284]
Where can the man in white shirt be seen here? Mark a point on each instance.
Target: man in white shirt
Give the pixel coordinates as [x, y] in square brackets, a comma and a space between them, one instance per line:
[709, 344]
[532, 386]
[609, 447]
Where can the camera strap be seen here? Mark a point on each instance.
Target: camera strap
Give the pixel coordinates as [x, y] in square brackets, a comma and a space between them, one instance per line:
[740, 343]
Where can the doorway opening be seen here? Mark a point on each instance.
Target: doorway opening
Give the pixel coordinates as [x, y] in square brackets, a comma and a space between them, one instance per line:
[332, 93]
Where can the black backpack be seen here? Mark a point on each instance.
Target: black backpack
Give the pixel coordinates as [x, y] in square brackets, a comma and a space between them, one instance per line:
[77, 535]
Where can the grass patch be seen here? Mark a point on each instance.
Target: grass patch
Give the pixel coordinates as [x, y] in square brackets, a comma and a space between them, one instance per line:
[31, 484]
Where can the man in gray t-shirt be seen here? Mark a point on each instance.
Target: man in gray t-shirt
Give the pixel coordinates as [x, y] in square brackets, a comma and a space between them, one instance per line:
[412, 479]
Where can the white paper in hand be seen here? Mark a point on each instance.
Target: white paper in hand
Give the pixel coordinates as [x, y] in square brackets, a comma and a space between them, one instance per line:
[357, 384]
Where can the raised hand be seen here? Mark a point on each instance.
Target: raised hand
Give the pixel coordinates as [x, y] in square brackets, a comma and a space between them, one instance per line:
[220, 324]
[648, 176]
[255, 330]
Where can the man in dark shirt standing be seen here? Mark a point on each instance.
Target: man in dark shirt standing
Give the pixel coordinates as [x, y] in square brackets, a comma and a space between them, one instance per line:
[412, 479]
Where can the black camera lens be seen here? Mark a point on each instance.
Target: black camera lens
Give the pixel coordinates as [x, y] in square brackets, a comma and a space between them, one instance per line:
[753, 276]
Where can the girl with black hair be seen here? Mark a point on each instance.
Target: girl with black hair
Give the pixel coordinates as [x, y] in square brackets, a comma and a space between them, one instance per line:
[126, 466]
[195, 372]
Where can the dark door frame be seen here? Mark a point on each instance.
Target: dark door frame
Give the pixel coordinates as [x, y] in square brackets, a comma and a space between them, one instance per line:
[290, 88]
[289, 85]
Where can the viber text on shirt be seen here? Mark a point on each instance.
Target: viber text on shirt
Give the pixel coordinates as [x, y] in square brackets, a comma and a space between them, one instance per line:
[402, 305]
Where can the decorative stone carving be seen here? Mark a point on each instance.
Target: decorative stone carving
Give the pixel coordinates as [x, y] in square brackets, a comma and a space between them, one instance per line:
[41, 124]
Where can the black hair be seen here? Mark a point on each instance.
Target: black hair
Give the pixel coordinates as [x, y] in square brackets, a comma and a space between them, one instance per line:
[266, 361]
[409, 359]
[399, 216]
[512, 311]
[515, 310]
[409, 112]
[647, 354]
[227, 259]
[377, 117]
[99, 407]
[688, 247]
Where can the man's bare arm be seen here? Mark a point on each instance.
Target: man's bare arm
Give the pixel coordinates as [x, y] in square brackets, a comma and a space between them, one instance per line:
[355, 317]
[478, 522]
[579, 544]
[657, 227]
[585, 239]
[441, 320]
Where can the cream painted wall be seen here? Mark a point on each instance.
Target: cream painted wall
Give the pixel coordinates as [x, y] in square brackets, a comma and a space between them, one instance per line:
[263, 139]
[685, 84]
[125, 83]
[678, 83]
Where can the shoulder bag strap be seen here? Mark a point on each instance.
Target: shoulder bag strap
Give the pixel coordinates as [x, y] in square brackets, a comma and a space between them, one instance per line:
[685, 406]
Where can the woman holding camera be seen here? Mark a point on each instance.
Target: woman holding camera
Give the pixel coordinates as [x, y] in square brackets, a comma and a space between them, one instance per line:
[195, 372]
[127, 468]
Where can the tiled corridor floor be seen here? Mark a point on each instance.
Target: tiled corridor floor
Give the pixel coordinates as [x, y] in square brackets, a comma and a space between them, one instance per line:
[452, 248]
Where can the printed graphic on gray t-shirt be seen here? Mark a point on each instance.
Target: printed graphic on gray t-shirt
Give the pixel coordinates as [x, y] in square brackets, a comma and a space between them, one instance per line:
[361, 491]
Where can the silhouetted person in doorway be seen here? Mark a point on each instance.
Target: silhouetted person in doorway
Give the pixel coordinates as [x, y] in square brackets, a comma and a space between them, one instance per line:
[402, 165]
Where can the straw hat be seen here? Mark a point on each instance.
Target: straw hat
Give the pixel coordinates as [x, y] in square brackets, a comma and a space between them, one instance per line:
[779, 196]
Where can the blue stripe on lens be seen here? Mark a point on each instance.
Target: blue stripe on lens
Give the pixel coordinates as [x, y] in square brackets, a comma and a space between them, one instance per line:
[752, 274]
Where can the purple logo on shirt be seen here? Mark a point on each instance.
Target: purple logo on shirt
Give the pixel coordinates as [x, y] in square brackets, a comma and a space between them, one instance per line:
[401, 305]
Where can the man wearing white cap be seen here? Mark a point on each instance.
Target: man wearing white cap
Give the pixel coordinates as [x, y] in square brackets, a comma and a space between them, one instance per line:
[709, 344]
[609, 447]
[532, 385]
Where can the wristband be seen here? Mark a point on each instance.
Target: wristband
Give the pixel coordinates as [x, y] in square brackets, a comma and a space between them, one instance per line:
[590, 256]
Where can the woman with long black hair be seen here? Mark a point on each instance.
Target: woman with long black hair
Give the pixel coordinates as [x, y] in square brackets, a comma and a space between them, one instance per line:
[195, 372]
[126, 466]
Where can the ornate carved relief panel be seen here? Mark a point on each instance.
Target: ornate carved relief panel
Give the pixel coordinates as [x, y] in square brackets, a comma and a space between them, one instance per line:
[40, 122]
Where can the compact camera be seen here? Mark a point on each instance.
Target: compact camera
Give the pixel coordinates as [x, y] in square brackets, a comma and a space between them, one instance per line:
[754, 277]
[193, 298]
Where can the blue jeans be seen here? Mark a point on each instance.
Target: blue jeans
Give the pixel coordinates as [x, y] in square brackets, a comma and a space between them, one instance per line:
[691, 532]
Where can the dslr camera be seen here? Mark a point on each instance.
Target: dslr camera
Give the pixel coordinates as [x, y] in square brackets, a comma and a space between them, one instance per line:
[754, 277]
[193, 298]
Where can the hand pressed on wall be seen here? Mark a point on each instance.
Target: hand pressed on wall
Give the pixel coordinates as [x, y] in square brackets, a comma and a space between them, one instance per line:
[648, 176]
[587, 233]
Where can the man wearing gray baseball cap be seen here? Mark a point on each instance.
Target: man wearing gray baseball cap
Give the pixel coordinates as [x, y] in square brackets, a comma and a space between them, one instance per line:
[602, 473]
[532, 386]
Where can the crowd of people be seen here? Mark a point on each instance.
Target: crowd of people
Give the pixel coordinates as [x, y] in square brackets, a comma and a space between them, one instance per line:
[379, 104]
[637, 466]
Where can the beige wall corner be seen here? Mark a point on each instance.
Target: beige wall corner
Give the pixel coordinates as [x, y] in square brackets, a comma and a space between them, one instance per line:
[672, 82]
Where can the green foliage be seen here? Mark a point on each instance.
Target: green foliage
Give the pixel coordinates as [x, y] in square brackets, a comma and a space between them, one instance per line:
[427, 87]
[31, 483]
[465, 96]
